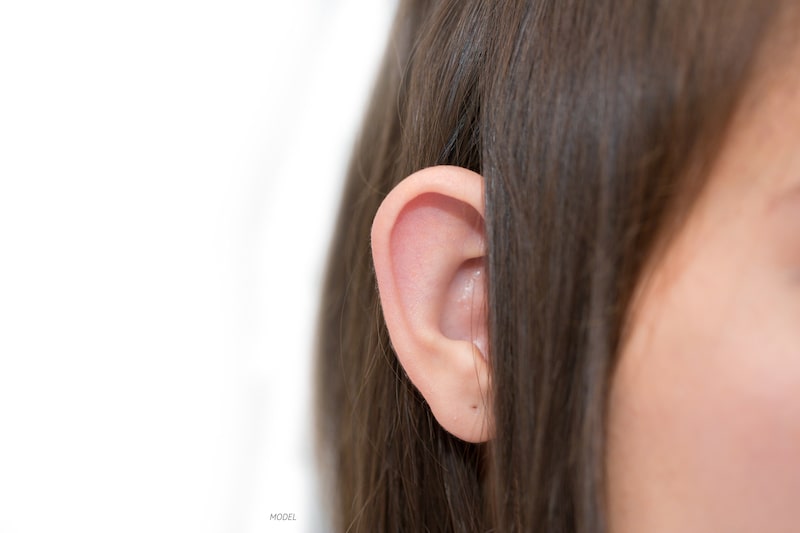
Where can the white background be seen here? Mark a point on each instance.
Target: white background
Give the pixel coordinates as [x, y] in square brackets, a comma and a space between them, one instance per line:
[169, 171]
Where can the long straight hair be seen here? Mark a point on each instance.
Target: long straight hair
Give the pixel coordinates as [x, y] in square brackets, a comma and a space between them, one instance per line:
[594, 124]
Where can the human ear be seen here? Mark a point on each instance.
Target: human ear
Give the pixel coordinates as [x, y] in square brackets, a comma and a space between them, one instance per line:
[428, 247]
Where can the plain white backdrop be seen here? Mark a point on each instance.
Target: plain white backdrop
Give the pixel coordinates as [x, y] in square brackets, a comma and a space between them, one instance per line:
[169, 174]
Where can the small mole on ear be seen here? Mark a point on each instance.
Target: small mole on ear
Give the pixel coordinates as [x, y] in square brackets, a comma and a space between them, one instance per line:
[474, 407]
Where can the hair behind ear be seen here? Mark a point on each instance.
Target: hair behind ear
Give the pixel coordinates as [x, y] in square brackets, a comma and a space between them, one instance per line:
[390, 466]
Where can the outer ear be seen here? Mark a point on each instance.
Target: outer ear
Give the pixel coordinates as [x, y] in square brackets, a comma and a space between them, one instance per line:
[428, 249]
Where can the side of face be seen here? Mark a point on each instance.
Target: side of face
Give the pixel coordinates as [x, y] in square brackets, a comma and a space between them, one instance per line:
[704, 410]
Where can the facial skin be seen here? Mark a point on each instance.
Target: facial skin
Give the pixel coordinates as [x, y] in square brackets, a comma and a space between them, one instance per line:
[704, 410]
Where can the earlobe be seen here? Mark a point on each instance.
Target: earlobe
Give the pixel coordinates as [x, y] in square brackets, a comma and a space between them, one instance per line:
[428, 246]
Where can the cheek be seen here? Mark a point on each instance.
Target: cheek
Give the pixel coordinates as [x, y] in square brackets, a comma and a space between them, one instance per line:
[704, 412]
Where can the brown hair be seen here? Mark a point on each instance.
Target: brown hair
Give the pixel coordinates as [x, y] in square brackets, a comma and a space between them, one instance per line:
[594, 124]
